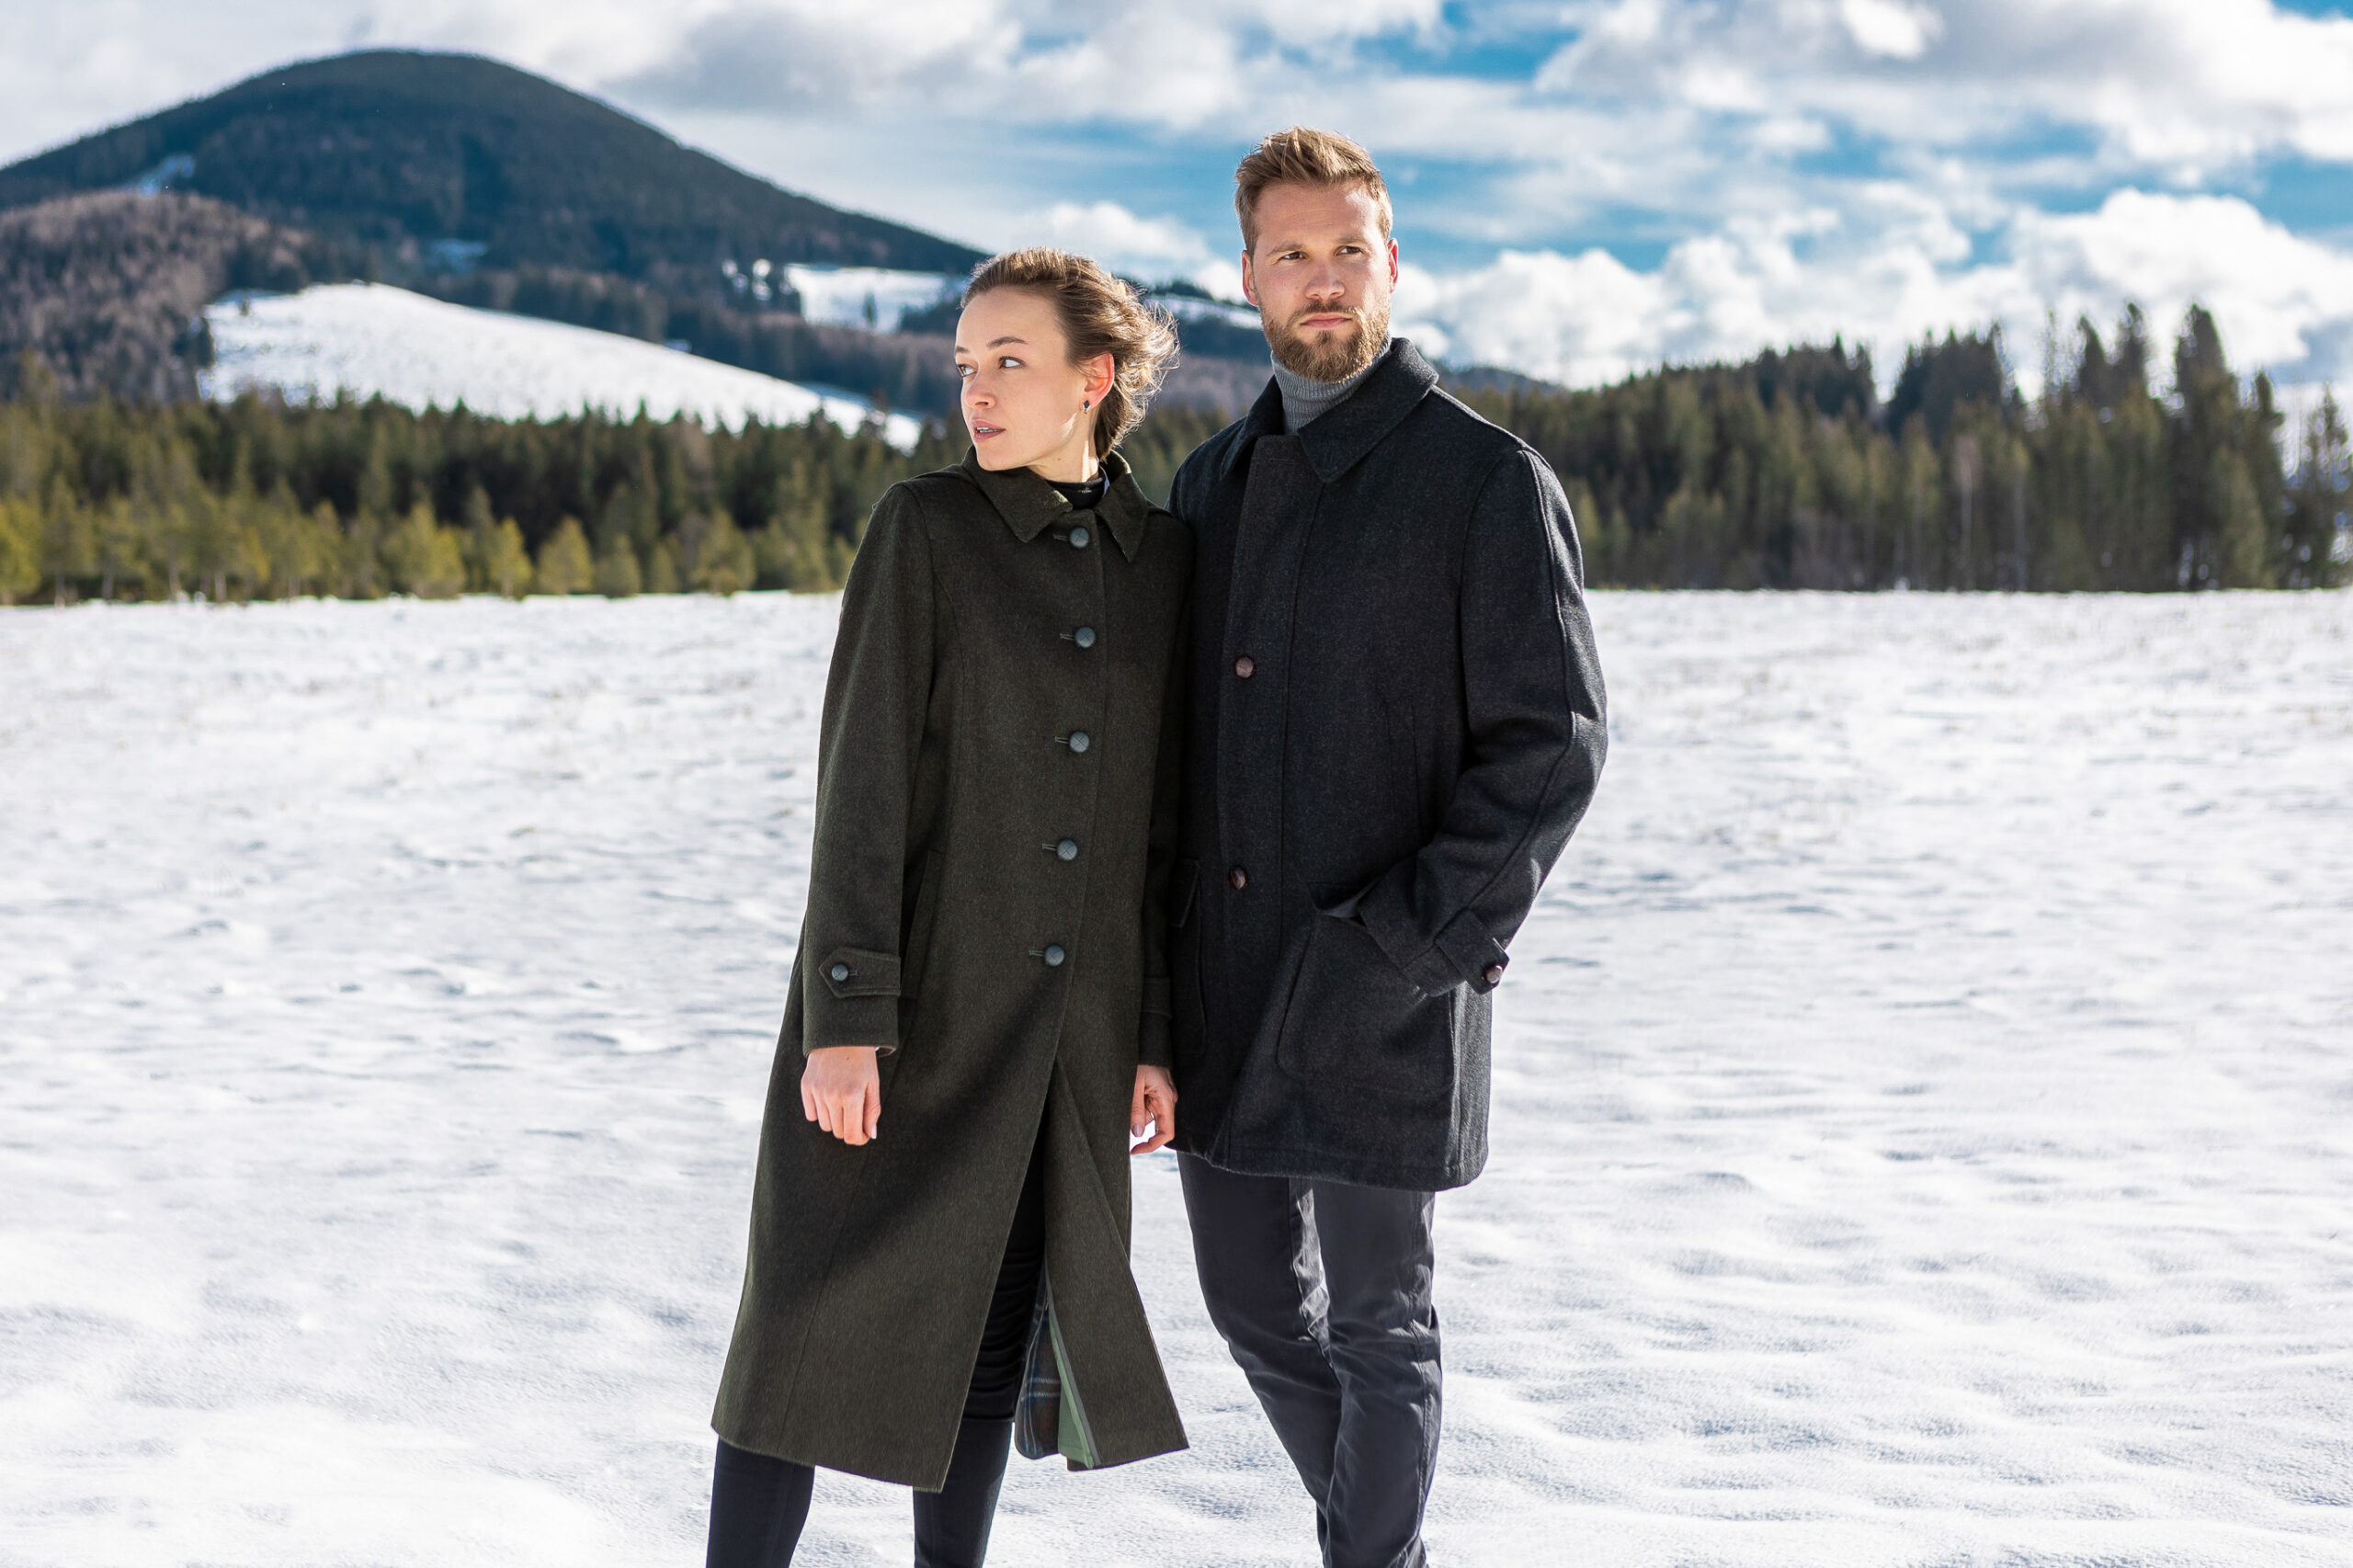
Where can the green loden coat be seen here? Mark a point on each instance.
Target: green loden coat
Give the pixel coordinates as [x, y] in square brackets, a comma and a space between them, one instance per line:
[995, 825]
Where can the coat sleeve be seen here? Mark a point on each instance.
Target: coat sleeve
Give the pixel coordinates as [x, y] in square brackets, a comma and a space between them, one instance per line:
[1536, 734]
[877, 697]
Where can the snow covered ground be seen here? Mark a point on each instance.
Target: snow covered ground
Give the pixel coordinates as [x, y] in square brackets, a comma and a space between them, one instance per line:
[1922, 1106]
[872, 297]
[422, 352]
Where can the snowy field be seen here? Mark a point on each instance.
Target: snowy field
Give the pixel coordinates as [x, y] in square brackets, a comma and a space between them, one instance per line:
[421, 352]
[1921, 1136]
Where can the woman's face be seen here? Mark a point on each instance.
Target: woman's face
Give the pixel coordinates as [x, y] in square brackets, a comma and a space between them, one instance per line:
[1025, 404]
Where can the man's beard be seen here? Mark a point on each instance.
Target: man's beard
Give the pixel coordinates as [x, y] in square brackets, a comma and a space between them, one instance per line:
[1333, 354]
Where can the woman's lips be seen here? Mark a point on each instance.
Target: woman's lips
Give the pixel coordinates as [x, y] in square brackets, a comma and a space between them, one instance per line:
[983, 432]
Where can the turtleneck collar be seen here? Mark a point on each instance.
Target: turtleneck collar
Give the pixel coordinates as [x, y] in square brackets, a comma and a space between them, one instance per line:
[1305, 398]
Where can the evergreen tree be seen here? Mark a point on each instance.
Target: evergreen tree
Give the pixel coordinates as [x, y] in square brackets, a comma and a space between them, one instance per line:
[617, 573]
[66, 550]
[506, 564]
[19, 550]
[564, 565]
[724, 559]
[2242, 544]
[477, 530]
[661, 569]
[423, 559]
[2319, 546]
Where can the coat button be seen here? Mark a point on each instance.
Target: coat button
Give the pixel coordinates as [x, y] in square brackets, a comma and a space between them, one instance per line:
[1084, 637]
[1495, 974]
[1239, 877]
[1245, 667]
[840, 971]
[1067, 849]
[1080, 740]
[1080, 538]
[1053, 955]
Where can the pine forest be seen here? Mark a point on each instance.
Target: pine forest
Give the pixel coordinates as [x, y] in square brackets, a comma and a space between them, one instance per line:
[1787, 471]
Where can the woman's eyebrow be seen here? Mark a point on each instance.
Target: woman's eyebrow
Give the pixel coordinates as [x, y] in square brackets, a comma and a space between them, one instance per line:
[1001, 342]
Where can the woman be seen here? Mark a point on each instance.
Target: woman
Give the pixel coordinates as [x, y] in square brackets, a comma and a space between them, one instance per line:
[979, 1011]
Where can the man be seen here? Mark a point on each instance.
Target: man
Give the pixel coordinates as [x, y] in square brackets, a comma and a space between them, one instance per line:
[1395, 723]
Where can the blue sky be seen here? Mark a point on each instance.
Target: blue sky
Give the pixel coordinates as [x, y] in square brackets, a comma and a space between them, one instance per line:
[1584, 187]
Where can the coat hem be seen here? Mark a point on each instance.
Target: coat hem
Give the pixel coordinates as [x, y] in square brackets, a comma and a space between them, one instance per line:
[1318, 1164]
[814, 1458]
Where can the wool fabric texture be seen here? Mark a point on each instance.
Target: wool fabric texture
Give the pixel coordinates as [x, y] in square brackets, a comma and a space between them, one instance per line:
[1394, 722]
[995, 824]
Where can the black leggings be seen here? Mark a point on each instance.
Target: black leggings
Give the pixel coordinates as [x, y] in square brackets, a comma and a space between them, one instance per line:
[759, 1503]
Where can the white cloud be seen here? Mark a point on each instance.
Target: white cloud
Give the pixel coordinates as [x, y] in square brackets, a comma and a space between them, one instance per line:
[1890, 30]
[2283, 301]
[1154, 249]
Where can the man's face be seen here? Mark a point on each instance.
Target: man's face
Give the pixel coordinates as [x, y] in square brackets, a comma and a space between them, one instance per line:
[1321, 276]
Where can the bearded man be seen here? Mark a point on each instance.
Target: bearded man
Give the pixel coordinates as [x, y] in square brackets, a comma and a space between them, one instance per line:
[1395, 723]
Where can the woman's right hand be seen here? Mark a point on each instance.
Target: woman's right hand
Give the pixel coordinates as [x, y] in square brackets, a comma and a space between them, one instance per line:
[841, 1091]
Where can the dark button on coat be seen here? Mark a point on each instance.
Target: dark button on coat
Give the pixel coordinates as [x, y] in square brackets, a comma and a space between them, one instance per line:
[1013, 993]
[1419, 729]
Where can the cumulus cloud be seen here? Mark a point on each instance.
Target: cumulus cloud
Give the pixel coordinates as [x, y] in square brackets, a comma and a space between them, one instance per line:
[2284, 302]
[1154, 249]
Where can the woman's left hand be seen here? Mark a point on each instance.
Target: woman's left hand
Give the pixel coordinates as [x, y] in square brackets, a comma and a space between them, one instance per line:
[1155, 1105]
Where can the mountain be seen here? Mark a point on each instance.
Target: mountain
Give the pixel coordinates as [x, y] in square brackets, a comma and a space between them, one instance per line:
[446, 162]
[485, 185]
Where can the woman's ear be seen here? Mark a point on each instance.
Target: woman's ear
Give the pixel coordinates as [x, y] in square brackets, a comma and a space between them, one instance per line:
[1100, 372]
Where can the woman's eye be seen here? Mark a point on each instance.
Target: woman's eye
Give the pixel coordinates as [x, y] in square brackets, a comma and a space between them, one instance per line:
[1008, 363]
[968, 371]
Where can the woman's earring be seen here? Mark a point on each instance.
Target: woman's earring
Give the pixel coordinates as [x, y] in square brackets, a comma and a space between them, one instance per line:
[1085, 402]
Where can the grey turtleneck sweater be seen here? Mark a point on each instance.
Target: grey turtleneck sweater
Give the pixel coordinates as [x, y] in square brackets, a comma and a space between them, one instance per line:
[1304, 399]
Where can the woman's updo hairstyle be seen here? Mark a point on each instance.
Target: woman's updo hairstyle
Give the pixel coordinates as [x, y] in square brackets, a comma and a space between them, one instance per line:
[1100, 314]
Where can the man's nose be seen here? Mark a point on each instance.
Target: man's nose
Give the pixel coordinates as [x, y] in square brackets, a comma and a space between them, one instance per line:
[1327, 289]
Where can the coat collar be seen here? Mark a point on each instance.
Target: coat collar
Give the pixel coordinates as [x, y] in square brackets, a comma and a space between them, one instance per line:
[1338, 440]
[1030, 506]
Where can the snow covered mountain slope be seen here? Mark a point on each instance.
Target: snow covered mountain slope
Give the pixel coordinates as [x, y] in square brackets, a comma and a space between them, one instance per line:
[872, 297]
[1924, 1100]
[371, 338]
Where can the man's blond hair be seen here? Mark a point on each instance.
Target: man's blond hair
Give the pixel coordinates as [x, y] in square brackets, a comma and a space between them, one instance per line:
[1302, 156]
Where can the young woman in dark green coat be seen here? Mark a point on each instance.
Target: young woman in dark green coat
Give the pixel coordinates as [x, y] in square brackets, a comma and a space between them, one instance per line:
[978, 1018]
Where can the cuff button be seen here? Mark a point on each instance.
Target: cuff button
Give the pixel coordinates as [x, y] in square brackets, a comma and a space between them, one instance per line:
[1495, 974]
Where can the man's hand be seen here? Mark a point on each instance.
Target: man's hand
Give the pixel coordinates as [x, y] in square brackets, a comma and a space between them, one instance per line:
[1155, 1102]
[842, 1092]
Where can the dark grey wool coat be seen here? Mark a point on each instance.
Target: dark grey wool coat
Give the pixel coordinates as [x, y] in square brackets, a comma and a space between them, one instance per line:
[996, 823]
[1395, 723]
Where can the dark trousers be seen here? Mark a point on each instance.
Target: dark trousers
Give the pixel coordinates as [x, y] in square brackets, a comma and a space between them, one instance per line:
[759, 1503]
[1322, 1291]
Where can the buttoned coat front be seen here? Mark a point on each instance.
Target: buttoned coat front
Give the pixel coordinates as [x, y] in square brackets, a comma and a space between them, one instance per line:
[994, 825]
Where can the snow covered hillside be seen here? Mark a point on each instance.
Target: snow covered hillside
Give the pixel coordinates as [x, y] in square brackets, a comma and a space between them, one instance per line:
[419, 351]
[1923, 1099]
[872, 297]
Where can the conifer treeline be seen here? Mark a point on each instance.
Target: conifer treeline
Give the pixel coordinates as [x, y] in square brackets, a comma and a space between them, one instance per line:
[1780, 473]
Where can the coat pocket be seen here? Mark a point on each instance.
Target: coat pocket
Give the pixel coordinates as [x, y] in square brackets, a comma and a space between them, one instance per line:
[1355, 1025]
[924, 914]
